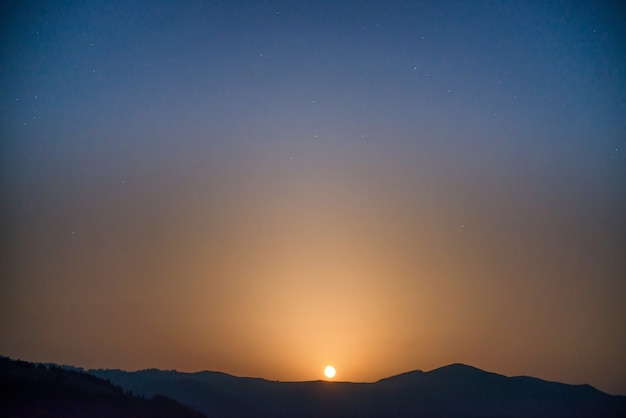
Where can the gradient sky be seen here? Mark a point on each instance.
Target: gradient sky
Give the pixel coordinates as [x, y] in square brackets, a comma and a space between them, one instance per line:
[266, 187]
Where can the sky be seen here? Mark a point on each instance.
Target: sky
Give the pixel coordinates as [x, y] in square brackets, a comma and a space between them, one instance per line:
[267, 187]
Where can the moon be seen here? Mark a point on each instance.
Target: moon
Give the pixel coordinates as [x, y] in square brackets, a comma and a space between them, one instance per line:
[330, 372]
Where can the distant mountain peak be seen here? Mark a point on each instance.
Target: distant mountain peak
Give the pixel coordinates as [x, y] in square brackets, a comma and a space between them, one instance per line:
[459, 366]
[460, 369]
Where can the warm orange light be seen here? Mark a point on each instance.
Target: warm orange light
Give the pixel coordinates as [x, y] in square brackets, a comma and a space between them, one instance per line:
[330, 372]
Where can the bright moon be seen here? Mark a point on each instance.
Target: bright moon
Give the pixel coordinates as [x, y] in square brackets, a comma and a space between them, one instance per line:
[329, 371]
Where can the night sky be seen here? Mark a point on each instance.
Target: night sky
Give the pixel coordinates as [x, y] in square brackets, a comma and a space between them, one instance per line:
[266, 187]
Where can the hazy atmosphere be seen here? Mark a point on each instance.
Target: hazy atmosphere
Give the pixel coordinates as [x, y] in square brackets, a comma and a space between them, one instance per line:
[267, 187]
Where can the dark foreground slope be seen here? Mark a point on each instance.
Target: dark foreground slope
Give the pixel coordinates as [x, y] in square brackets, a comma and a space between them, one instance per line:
[38, 391]
[452, 391]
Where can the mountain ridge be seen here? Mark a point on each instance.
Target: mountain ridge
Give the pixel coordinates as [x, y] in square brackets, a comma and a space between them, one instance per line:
[455, 390]
[452, 391]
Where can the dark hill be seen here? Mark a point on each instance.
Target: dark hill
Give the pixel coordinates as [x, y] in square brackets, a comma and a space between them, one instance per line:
[452, 391]
[29, 390]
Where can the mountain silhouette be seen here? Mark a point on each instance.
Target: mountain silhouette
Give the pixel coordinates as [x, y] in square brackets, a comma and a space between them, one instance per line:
[455, 391]
[46, 391]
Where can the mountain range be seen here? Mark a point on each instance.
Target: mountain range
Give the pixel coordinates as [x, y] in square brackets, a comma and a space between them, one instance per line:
[455, 391]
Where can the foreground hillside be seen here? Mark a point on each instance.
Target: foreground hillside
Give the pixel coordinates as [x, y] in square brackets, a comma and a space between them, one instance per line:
[452, 391]
[38, 391]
